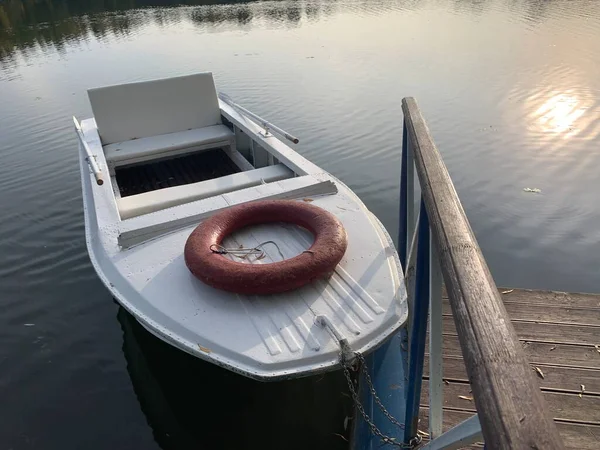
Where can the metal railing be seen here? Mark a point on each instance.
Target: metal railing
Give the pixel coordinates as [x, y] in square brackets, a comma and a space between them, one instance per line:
[442, 247]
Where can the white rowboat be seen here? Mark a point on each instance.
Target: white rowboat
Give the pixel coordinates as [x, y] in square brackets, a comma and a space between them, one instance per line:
[171, 154]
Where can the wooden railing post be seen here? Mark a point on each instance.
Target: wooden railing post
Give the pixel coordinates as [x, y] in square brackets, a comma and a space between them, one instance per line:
[511, 410]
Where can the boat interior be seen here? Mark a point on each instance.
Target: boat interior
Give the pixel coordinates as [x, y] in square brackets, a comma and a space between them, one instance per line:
[166, 143]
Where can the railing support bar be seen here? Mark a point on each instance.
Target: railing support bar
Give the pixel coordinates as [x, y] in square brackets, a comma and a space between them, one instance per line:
[403, 219]
[436, 394]
[418, 328]
[463, 434]
[410, 190]
[409, 276]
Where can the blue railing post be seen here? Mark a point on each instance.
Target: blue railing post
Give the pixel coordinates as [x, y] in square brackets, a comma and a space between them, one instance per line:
[403, 222]
[387, 369]
[418, 328]
[387, 366]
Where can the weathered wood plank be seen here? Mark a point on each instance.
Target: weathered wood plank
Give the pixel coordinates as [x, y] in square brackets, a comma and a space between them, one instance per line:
[502, 381]
[565, 407]
[562, 354]
[541, 352]
[546, 313]
[534, 297]
[555, 377]
[544, 332]
[575, 436]
[537, 297]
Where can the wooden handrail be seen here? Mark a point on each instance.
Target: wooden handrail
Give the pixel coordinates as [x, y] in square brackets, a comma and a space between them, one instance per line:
[511, 409]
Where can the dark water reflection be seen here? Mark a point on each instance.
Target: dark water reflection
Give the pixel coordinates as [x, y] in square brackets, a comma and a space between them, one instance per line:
[25, 26]
[40, 25]
[510, 89]
[31, 25]
[191, 404]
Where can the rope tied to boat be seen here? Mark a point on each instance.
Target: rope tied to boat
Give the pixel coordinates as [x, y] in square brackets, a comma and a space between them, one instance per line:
[243, 252]
[352, 361]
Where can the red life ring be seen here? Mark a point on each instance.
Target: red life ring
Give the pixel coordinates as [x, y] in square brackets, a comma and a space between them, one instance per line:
[220, 272]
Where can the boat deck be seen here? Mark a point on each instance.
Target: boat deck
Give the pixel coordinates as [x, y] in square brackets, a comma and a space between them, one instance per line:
[560, 333]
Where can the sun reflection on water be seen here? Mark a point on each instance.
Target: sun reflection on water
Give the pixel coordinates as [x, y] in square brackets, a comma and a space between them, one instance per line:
[560, 114]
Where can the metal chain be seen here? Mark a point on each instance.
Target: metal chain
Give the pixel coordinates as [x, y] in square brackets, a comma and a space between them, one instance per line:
[347, 365]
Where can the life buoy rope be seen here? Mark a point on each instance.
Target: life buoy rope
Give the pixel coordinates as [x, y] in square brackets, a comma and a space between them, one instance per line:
[243, 252]
[215, 269]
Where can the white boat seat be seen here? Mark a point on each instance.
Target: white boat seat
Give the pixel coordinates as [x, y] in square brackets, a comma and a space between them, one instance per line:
[170, 144]
[136, 205]
[151, 108]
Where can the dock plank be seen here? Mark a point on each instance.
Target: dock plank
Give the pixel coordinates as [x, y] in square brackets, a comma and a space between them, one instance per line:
[536, 297]
[564, 407]
[575, 436]
[556, 378]
[559, 333]
[551, 298]
[541, 352]
[549, 313]
[555, 333]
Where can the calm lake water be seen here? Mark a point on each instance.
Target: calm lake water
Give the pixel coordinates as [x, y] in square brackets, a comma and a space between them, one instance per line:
[511, 91]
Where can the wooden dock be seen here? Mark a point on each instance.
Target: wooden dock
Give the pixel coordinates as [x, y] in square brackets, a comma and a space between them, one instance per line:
[560, 334]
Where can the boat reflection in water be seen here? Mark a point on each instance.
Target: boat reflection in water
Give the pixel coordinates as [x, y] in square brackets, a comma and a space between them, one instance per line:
[191, 404]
